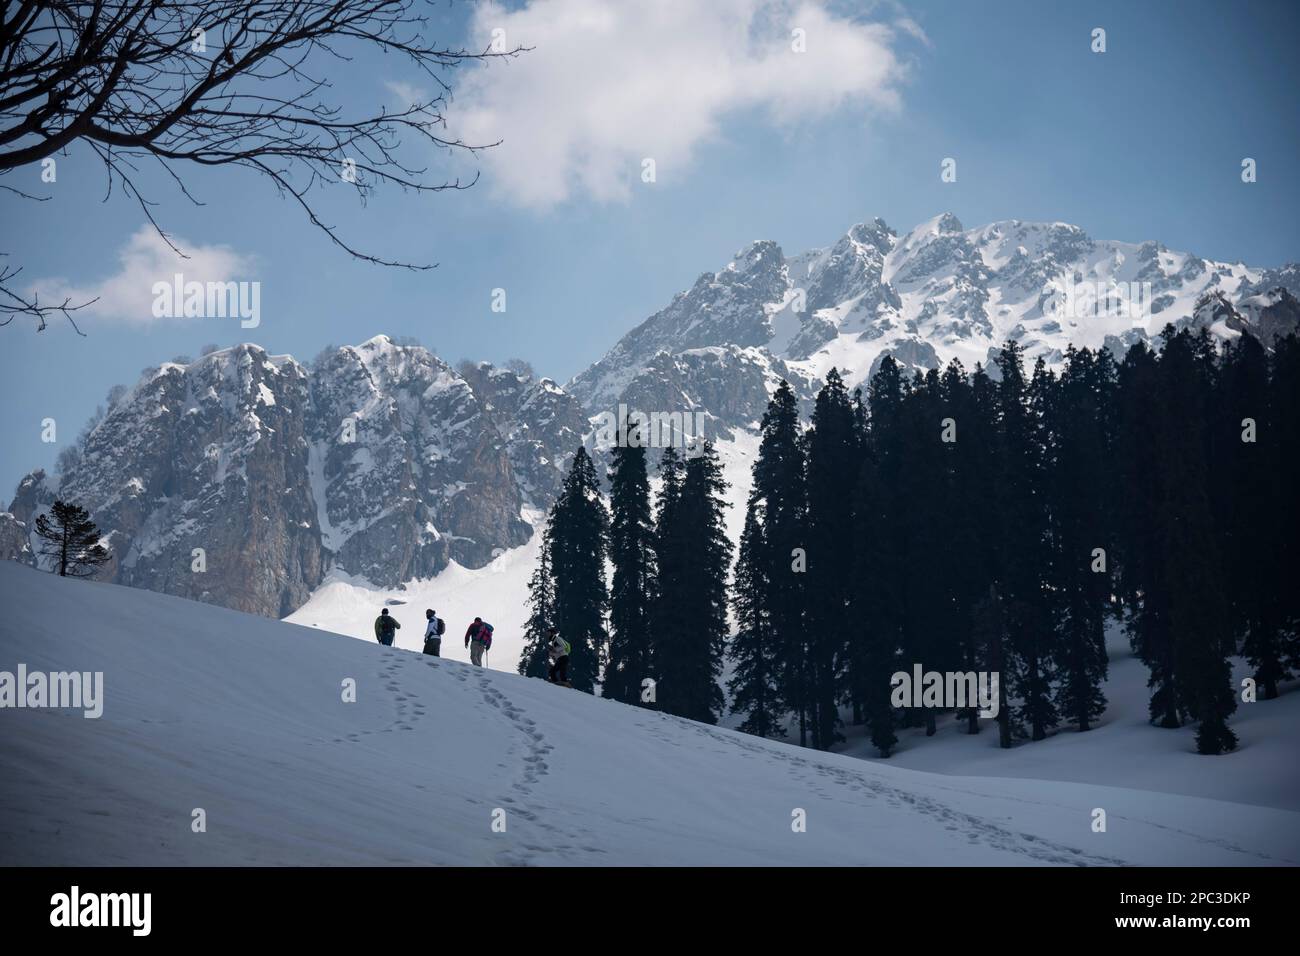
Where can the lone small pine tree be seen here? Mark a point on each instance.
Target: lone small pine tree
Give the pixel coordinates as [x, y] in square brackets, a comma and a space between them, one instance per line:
[72, 540]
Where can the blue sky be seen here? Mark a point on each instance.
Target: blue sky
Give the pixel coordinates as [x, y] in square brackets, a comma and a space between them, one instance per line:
[1144, 141]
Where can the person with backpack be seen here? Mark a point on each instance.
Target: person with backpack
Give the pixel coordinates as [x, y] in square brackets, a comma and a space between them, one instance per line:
[558, 651]
[478, 638]
[433, 632]
[386, 628]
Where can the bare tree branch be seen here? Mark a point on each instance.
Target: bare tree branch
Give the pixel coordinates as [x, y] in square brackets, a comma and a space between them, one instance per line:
[219, 83]
[13, 305]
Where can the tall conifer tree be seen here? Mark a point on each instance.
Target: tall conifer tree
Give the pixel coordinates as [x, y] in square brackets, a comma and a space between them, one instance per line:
[872, 624]
[1284, 402]
[921, 549]
[970, 541]
[579, 526]
[666, 615]
[631, 551]
[1248, 492]
[877, 621]
[541, 613]
[1198, 615]
[755, 655]
[1078, 485]
[1023, 558]
[689, 654]
[1142, 575]
[834, 462]
[778, 491]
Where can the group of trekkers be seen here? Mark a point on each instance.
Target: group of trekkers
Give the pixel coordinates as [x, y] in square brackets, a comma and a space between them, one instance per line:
[478, 639]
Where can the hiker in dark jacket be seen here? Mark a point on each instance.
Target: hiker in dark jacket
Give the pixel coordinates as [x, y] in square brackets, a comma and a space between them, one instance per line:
[477, 638]
[386, 628]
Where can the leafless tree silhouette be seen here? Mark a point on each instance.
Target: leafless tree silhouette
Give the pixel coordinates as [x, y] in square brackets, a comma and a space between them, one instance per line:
[224, 82]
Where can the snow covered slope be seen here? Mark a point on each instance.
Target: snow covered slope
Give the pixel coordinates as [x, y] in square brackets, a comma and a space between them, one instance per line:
[243, 717]
[497, 593]
[1124, 749]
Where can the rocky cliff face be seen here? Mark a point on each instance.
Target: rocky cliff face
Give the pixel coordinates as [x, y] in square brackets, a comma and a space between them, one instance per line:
[14, 544]
[242, 478]
[542, 425]
[1267, 316]
[33, 494]
[408, 466]
[719, 389]
[198, 478]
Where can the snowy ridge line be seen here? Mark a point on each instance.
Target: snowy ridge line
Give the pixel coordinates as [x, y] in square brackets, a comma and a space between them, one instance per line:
[935, 293]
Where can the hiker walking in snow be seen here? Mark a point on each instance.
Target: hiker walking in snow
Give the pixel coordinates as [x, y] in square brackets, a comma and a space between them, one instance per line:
[478, 638]
[558, 651]
[385, 628]
[433, 632]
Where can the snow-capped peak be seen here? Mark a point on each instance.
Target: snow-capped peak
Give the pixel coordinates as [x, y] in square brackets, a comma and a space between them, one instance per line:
[937, 292]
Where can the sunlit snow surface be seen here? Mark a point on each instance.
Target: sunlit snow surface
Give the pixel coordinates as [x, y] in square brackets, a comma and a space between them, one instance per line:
[244, 717]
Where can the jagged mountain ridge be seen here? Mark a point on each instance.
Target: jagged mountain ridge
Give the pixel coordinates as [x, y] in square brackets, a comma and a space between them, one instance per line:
[378, 461]
[243, 454]
[938, 292]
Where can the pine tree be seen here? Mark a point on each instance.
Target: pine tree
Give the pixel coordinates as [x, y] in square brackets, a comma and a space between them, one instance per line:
[873, 632]
[833, 466]
[1284, 510]
[1078, 485]
[1142, 574]
[1023, 553]
[666, 617]
[1198, 615]
[779, 490]
[689, 651]
[970, 542]
[754, 686]
[876, 621]
[1247, 492]
[922, 552]
[578, 528]
[991, 637]
[71, 541]
[856, 651]
[631, 551]
[541, 605]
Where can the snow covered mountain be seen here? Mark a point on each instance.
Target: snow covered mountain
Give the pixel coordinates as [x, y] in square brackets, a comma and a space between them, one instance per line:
[438, 762]
[380, 465]
[242, 478]
[938, 292]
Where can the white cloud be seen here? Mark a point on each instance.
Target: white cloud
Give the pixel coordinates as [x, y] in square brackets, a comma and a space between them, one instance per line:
[126, 295]
[610, 82]
[406, 94]
[912, 29]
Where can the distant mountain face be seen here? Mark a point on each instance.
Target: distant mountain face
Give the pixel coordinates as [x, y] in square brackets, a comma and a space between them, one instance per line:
[242, 478]
[936, 293]
[382, 462]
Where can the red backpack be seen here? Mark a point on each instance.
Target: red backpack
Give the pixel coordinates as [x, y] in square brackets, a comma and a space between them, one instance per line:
[485, 635]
